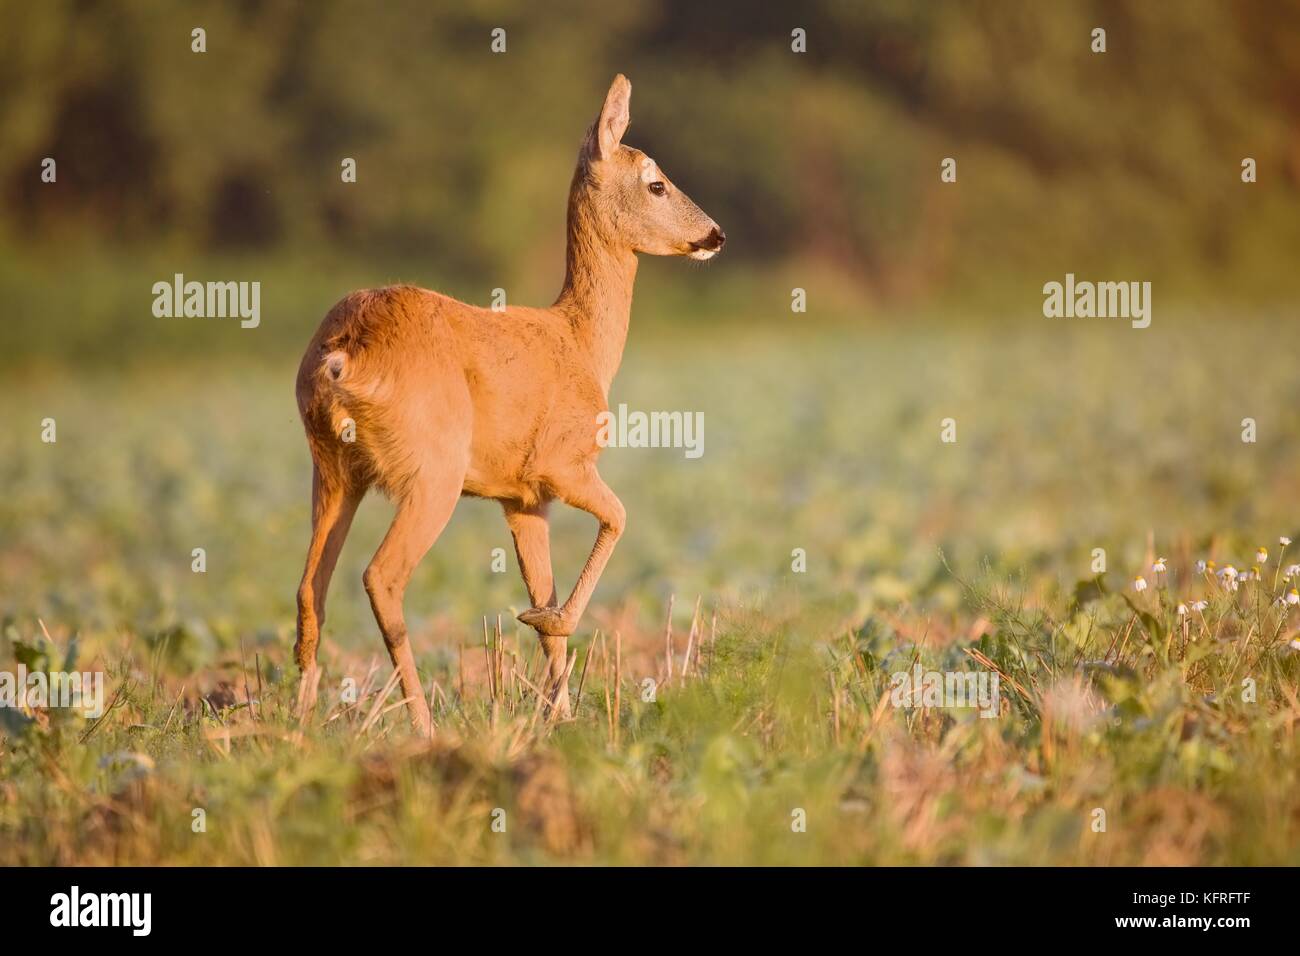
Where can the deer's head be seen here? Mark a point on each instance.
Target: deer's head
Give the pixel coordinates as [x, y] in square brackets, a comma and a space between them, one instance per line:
[626, 197]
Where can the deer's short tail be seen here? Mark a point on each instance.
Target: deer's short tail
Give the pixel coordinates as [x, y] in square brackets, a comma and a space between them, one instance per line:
[350, 425]
[334, 365]
[340, 396]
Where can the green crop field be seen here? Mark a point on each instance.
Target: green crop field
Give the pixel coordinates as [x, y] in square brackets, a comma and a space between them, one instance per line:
[826, 539]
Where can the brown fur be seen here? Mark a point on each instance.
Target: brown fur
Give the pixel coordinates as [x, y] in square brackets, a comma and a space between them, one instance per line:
[449, 399]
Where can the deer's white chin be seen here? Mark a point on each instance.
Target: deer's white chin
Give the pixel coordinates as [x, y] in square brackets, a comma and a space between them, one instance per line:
[702, 254]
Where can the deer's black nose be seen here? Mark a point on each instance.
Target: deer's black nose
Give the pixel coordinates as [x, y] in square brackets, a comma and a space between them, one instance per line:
[713, 241]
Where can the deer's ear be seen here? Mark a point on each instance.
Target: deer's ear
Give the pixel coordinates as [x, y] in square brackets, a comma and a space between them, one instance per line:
[607, 133]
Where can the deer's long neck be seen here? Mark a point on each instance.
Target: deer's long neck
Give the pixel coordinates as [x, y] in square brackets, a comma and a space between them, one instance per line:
[597, 293]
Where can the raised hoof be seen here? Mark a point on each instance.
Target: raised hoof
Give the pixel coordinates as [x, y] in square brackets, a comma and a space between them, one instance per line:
[547, 620]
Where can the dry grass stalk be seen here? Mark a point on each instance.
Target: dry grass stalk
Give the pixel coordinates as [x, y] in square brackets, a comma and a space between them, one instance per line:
[690, 640]
[582, 679]
[668, 639]
[618, 684]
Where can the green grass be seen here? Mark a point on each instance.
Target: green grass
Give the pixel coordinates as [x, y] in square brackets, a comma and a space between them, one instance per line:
[1070, 437]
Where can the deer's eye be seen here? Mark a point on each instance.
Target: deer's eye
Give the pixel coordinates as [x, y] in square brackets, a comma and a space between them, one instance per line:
[658, 188]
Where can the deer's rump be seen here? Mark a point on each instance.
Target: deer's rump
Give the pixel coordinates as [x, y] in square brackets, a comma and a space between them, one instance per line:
[381, 389]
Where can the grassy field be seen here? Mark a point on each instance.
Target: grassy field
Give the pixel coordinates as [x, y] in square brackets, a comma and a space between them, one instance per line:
[971, 555]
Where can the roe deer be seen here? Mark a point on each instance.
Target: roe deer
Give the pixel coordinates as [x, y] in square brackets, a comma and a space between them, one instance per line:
[446, 399]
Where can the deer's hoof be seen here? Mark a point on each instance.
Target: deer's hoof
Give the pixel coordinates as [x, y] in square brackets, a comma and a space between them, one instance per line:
[547, 620]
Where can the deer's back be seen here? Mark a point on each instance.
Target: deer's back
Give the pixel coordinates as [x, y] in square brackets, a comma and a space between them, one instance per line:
[422, 374]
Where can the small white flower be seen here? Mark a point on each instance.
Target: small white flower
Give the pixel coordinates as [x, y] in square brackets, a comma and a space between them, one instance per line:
[1293, 597]
[1295, 644]
[1182, 610]
[1139, 583]
[1229, 573]
[1261, 555]
[1199, 605]
[1291, 571]
[1201, 566]
[1159, 566]
[1284, 541]
[1253, 574]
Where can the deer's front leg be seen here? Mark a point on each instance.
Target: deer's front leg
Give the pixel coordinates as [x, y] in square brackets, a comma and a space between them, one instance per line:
[533, 549]
[589, 493]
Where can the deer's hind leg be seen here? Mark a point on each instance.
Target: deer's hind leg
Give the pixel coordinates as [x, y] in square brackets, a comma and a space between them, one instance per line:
[422, 512]
[333, 506]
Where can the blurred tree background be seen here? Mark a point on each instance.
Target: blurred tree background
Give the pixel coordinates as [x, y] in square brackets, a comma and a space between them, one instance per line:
[1124, 165]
